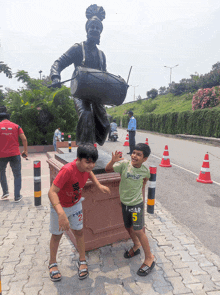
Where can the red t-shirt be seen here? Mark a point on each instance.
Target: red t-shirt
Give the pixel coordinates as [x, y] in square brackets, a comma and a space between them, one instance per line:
[70, 182]
[9, 143]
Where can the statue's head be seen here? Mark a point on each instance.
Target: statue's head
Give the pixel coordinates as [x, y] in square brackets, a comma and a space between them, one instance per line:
[95, 14]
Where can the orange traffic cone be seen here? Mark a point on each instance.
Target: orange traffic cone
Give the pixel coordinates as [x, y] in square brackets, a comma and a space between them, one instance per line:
[126, 141]
[146, 141]
[204, 175]
[165, 162]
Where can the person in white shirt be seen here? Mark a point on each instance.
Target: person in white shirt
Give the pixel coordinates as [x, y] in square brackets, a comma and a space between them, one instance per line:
[56, 137]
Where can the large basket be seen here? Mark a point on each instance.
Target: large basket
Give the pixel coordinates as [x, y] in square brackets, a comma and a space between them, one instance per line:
[98, 86]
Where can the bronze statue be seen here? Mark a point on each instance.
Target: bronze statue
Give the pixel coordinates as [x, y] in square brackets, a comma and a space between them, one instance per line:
[90, 83]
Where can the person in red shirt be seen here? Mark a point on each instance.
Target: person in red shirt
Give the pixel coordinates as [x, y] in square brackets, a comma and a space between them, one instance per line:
[66, 206]
[9, 152]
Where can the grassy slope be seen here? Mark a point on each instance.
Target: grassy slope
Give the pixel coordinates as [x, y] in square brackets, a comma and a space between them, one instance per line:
[160, 105]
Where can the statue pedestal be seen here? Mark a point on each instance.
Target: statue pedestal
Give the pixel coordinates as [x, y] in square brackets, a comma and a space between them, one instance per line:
[102, 216]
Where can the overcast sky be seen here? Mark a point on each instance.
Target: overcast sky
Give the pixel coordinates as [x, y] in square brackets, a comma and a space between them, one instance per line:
[147, 35]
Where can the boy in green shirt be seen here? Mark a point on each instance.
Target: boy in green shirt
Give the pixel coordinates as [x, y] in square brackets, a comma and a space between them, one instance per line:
[134, 176]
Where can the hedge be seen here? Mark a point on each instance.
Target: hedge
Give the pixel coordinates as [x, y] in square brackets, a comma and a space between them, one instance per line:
[204, 122]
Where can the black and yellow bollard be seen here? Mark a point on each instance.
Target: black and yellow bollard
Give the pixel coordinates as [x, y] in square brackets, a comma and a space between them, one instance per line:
[69, 138]
[0, 283]
[151, 190]
[62, 137]
[37, 183]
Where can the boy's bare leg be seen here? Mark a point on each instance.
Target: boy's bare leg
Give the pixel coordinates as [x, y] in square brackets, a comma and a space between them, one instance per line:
[79, 235]
[149, 257]
[134, 238]
[54, 244]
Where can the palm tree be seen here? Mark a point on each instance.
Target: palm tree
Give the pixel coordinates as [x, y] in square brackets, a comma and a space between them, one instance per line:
[5, 69]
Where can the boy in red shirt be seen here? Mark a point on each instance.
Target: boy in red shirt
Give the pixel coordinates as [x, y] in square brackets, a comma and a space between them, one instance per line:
[66, 206]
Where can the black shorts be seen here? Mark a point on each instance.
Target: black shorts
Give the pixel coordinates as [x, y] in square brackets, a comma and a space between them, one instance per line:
[133, 216]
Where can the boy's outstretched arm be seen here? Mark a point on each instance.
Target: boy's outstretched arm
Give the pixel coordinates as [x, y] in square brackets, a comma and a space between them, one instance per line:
[54, 199]
[102, 188]
[116, 157]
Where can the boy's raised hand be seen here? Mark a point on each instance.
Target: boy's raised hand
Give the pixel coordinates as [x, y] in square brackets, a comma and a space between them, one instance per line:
[117, 156]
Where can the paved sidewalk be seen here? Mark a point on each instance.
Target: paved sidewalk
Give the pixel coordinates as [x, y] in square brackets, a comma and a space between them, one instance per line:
[183, 265]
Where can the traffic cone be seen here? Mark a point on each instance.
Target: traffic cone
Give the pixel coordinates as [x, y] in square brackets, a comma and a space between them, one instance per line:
[146, 141]
[165, 162]
[204, 175]
[126, 141]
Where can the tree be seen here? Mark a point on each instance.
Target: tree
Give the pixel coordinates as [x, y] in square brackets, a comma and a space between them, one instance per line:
[5, 69]
[39, 109]
[162, 90]
[153, 93]
[216, 66]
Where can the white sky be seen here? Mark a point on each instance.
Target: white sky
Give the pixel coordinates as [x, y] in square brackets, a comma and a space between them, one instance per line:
[144, 34]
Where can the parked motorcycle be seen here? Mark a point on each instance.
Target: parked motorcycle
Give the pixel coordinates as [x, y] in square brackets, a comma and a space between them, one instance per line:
[113, 136]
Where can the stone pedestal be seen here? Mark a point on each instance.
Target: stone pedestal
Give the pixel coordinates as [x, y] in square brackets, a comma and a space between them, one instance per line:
[65, 144]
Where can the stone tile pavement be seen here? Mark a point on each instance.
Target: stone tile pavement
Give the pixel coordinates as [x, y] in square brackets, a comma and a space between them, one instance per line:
[183, 264]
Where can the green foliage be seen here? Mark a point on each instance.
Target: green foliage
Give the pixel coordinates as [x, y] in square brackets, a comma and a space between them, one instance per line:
[153, 93]
[148, 108]
[200, 122]
[204, 122]
[160, 105]
[40, 110]
[206, 98]
[5, 69]
[197, 81]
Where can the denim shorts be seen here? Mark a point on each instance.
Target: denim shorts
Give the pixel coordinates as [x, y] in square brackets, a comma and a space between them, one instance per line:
[74, 215]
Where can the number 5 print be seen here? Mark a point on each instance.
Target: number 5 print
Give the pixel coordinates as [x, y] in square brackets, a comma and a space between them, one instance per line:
[134, 216]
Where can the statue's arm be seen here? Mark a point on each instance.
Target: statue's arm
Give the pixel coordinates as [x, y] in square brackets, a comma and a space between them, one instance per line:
[104, 62]
[70, 56]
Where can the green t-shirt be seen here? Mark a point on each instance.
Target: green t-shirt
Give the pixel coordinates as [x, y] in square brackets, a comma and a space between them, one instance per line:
[130, 188]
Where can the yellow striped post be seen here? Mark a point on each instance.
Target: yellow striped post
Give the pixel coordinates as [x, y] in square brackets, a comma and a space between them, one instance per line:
[151, 190]
[69, 138]
[37, 183]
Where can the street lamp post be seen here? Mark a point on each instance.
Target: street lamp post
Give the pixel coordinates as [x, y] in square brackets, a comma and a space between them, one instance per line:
[134, 89]
[40, 74]
[171, 70]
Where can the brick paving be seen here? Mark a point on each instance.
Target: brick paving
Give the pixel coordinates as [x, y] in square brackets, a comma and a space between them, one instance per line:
[183, 264]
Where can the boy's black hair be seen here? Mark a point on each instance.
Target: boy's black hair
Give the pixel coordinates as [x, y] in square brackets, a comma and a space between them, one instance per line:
[87, 151]
[144, 148]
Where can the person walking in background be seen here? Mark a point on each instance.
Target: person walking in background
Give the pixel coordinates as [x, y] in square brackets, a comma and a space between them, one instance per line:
[56, 137]
[10, 152]
[131, 130]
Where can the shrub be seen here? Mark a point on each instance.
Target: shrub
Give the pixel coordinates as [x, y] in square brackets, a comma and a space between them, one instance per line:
[206, 98]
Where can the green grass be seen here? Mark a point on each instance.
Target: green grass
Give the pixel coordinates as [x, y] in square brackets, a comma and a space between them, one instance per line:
[160, 105]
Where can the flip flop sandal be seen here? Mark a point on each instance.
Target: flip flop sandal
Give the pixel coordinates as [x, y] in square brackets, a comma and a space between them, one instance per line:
[131, 253]
[85, 270]
[53, 273]
[145, 269]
